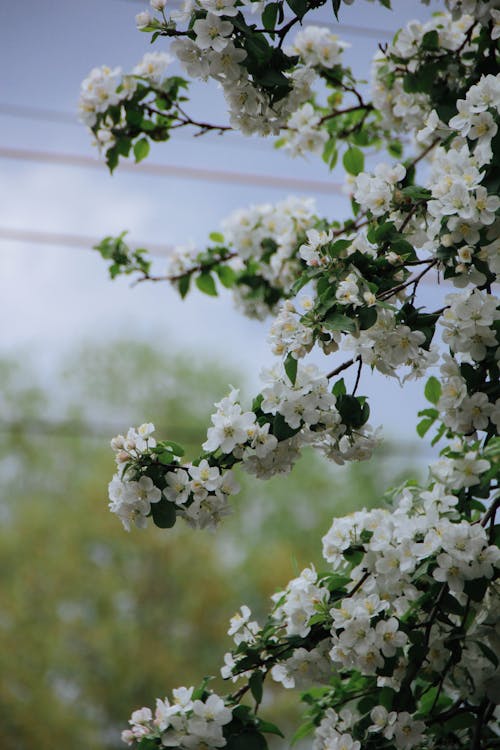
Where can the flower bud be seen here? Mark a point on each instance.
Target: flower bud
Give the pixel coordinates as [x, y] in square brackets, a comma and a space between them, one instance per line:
[117, 442]
[143, 19]
[393, 258]
[158, 4]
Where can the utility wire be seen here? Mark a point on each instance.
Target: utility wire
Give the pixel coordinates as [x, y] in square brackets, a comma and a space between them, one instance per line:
[39, 237]
[42, 114]
[292, 184]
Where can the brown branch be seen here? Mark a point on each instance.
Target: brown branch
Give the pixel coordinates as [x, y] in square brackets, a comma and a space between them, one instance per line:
[201, 267]
[341, 367]
[185, 119]
[339, 112]
[414, 280]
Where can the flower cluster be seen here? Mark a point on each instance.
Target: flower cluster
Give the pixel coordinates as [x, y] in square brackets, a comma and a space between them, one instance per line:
[197, 493]
[268, 235]
[406, 108]
[395, 643]
[186, 722]
[106, 93]
[403, 580]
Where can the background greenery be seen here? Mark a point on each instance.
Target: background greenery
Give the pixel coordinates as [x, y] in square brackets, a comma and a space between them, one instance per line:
[95, 622]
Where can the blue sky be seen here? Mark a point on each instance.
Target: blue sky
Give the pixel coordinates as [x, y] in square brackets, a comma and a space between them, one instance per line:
[53, 296]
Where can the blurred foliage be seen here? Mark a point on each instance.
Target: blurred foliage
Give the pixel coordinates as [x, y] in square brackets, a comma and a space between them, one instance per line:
[95, 622]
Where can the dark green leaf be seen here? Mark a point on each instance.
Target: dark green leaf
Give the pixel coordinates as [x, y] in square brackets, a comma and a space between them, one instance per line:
[353, 412]
[184, 285]
[270, 728]
[336, 5]
[281, 428]
[270, 16]
[246, 741]
[255, 683]
[461, 721]
[299, 7]
[163, 514]
[367, 317]
[430, 40]
[476, 589]
[291, 368]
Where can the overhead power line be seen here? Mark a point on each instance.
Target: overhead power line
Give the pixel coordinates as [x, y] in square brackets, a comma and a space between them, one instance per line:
[42, 114]
[292, 184]
[39, 237]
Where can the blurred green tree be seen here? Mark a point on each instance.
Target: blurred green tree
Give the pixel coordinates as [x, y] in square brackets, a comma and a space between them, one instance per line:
[81, 606]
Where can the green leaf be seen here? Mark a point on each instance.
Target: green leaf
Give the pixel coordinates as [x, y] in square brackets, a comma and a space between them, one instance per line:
[176, 449]
[281, 428]
[338, 247]
[353, 160]
[395, 149]
[488, 653]
[270, 728]
[338, 322]
[432, 390]
[367, 317]
[226, 275]
[147, 744]
[424, 426]
[299, 7]
[353, 410]
[461, 721]
[416, 193]
[206, 284]
[430, 40]
[141, 149]
[476, 589]
[305, 730]
[330, 153]
[270, 16]
[163, 514]
[216, 237]
[291, 368]
[165, 458]
[247, 740]
[184, 285]
[339, 388]
[255, 684]
[336, 5]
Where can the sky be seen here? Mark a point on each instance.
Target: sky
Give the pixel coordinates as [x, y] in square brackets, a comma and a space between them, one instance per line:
[53, 296]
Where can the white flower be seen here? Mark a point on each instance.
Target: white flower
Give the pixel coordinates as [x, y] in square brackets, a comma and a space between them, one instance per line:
[211, 32]
[144, 19]
[153, 66]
